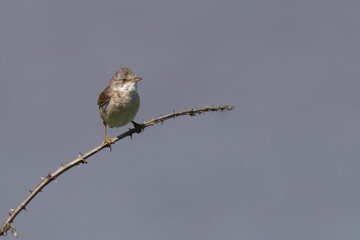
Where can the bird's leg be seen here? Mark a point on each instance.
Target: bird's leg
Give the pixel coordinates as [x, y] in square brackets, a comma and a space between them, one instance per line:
[138, 126]
[107, 140]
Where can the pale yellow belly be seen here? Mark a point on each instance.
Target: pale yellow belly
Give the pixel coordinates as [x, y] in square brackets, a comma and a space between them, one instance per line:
[121, 114]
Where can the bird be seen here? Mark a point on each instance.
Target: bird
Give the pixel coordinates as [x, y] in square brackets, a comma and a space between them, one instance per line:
[120, 101]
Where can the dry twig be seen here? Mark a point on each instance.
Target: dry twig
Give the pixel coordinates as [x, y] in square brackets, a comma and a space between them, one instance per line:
[81, 159]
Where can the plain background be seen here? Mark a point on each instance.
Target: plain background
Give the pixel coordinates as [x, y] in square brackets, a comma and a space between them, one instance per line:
[283, 165]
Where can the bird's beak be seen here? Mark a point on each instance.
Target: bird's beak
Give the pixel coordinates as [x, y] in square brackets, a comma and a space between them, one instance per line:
[136, 79]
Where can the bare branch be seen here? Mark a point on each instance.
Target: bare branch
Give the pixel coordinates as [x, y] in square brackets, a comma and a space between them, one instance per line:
[81, 159]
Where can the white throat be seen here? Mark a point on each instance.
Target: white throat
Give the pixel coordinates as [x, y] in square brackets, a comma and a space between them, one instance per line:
[127, 87]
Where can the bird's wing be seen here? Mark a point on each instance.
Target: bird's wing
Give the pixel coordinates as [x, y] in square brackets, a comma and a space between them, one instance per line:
[104, 97]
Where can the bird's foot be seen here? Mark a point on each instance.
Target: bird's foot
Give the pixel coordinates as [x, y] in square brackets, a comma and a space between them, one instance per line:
[108, 141]
[139, 127]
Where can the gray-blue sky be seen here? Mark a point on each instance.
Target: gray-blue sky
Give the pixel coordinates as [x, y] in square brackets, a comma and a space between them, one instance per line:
[283, 165]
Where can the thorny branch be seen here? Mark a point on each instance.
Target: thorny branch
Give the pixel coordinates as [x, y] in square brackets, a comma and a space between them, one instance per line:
[81, 159]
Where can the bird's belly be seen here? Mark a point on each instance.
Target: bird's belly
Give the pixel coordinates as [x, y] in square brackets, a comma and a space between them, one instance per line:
[121, 114]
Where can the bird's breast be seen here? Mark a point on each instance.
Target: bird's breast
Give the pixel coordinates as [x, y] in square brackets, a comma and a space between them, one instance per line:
[121, 109]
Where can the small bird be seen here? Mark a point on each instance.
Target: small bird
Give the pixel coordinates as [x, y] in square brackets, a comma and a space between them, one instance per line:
[119, 102]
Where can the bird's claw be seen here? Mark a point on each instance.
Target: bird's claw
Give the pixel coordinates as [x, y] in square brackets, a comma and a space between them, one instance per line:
[108, 141]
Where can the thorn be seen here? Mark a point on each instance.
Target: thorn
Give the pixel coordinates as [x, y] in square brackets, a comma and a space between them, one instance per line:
[138, 127]
[55, 180]
[62, 164]
[42, 178]
[11, 209]
[30, 191]
[13, 231]
[24, 209]
[81, 156]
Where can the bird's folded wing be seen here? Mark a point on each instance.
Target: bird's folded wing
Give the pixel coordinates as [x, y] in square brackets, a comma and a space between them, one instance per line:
[104, 97]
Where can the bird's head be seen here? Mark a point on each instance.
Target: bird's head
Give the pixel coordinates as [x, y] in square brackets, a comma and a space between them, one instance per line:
[125, 79]
[125, 74]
